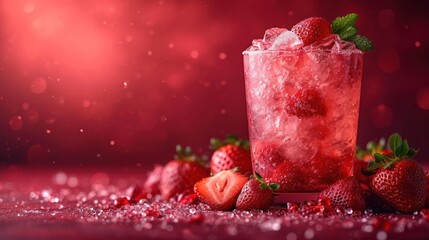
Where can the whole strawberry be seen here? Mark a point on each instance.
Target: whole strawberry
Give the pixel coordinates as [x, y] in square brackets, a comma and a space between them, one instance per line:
[364, 156]
[230, 153]
[221, 190]
[312, 30]
[397, 180]
[427, 191]
[256, 194]
[306, 103]
[151, 185]
[180, 175]
[345, 193]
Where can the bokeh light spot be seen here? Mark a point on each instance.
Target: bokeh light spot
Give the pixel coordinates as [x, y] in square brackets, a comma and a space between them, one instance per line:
[129, 38]
[417, 44]
[423, 98]
[194, 54]
[388, 60]
[29, 7]
[86, 103]
[72, 182]
[100, 178]
[16, 123]
[38, 86]
[32, 116]
[25, 106]
[386, 18]
[222, 56]
[37, 154]
[60, 178]
[382, 116]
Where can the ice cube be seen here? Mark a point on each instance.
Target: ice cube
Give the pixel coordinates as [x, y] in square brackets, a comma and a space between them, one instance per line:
[332, 42]
[287, 40]
[271, 34]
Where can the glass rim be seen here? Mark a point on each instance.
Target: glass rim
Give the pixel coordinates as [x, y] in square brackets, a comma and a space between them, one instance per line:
[303, 51]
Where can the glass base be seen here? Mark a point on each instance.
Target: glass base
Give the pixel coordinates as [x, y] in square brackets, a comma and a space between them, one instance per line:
[283, 198]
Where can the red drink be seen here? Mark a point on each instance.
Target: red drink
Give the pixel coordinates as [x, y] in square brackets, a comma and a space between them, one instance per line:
[303, 106]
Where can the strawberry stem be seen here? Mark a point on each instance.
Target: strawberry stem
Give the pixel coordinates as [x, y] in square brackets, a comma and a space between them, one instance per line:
[264, 185]
[231, 139]
[400, 151]
[186, 154]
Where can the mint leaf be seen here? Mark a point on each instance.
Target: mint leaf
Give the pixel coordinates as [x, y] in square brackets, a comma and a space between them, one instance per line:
[349, 32]
[346, 29]
[361, 42]
[342, 23]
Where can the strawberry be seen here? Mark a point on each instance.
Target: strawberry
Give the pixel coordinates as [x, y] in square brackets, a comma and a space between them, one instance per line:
[230, 153]
[363, 157]
[306, 103]
[221, 190]
[151, 184]
[312, 30]
[345, 193]
[327, 169]
[397, 180]
[427, 191]
[287, 176]
[266, 155]
[180, 175]
[256, 194]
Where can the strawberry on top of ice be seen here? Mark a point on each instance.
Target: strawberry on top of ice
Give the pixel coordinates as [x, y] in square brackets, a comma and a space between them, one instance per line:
[315, 33]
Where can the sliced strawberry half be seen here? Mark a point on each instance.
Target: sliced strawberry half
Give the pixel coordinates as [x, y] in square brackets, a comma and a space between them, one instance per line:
[312, 30]
[220, 191]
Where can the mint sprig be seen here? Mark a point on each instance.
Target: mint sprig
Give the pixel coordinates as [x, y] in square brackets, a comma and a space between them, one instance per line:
[400, 151]
[346, 29]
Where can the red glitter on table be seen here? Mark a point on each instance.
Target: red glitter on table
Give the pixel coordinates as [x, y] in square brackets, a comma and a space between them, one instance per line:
[52, 204]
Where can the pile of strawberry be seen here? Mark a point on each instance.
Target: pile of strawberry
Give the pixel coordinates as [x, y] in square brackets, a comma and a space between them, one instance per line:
[187, 178]
[384, 180]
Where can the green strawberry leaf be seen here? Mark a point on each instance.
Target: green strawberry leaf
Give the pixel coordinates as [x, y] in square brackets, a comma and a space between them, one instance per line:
[402, 150]
[259, 177]
[274, 186]
[412, 152]
[342, 23]
[378, 157]
[373, 166]
[264, 186]
[215, 143]
[395, 140]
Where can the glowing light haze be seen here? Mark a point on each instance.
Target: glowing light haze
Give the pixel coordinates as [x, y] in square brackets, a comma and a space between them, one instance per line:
[120, 83]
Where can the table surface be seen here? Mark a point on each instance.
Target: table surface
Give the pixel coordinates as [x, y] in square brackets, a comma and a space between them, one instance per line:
[79, 204]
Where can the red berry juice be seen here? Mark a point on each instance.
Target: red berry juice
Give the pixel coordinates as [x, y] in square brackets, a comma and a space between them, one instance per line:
[303, 107]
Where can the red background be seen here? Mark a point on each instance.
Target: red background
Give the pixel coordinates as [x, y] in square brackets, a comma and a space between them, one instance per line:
[120, 83]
